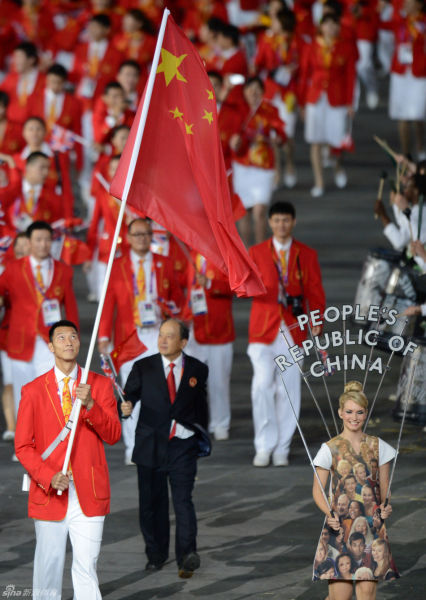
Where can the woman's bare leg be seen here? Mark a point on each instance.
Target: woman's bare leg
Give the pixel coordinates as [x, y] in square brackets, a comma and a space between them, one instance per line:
[340, 590]
[365, 590]
[8, 407]
[316, 162]
[259, 225]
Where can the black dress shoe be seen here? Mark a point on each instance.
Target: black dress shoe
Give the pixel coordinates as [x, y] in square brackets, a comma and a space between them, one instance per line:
[189, 564]
[151, 566]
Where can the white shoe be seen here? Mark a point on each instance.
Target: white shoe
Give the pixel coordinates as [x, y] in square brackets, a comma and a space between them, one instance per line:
[221, 434]
[280, 460]
[261, 459]
[14, 458]
[128, 461]
[317, 192]
[290, 180]
[8, 436]
[341, 179]
[372, 100]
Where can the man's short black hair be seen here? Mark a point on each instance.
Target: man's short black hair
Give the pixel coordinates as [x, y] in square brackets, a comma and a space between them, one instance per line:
[35, 118]
[4, 99]
[325, 566]
[118, 128]
[29, 49]
[356, 535]
[282, 208]
[146, 220]
[39, 226]
[130, 63]
[183, 329]
[58, 70]
[35, 156]
[113, 85]
[254, 79]
[102, 20]
[61, 323]
[231, 32]
[215, 75]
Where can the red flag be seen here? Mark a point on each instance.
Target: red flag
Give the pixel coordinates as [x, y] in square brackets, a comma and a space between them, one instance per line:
[179, 179]
[127, 350]
[74, 251]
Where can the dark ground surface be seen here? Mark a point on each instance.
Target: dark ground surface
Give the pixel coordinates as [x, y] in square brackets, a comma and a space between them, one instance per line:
[258, 528]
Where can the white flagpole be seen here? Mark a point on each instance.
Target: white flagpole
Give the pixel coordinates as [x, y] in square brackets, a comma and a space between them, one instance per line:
[129, 177]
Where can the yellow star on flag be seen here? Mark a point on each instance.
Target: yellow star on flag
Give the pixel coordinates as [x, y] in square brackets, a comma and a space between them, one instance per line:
[188, 128]
[170, 66]
[210, 95]
[176, 113]
[208, 116]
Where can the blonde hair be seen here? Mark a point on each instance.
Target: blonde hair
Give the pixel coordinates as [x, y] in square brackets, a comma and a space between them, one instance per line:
[368, 536]
[353, 391]
[386, 557]
[343, 463]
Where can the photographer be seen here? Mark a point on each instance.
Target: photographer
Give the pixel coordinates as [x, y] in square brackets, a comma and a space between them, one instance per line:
[292, 278]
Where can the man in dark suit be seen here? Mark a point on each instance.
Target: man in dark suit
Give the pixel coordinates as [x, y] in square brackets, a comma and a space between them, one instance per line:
[171, 387]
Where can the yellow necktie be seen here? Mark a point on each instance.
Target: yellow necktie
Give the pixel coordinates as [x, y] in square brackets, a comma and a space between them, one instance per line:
[24, 92]
[51, 118]
[29, 203]
[40, 287]
[283, 262]
[94, 64]
[140, 284]
[66, 400]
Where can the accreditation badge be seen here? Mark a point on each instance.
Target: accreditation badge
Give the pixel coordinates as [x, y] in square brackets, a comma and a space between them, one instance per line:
[198, 302]
[405, 54]
[51, 311]
[147, 313]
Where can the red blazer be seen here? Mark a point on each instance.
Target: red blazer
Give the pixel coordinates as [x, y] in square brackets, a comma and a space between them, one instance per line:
[256, 147]
[70, 117]
[142, 52]
[12, 140]
[101, 128]
[119, 301]
[266, 313]
[40, 419]
[335, 76]
[49, 207]
[217, 326]
[363, 18]
[413, 32]
[59, 173]
[16, 112]
[106, 208]
[108, 68]
[26, 319]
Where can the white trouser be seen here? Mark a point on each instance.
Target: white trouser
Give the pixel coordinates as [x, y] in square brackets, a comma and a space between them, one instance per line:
[218, 358]
[51, 541]
[273, 419]
[365, 65]
[101, 269]
[149, 337]
[25, 371]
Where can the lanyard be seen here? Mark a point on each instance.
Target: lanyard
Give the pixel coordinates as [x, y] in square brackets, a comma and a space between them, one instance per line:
[151, 283]
[20, 206]
[48, 281]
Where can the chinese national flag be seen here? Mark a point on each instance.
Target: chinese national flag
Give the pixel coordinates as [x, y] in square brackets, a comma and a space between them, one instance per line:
[127, 350]
[179, 179]
[74, 252]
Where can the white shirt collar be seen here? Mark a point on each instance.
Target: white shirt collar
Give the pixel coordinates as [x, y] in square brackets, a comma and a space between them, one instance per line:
[177, 362]
[60, 376]
[34, 262]
[278, 246]
[27, 187]
[45, 148]
[135, 258]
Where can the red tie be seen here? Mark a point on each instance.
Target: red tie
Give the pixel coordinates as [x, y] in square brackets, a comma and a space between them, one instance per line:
[172, 394]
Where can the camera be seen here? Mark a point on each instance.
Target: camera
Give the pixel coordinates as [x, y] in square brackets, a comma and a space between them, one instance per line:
[296, 303]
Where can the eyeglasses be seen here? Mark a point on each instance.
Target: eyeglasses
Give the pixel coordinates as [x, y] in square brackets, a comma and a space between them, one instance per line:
[140, 234]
